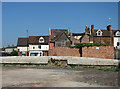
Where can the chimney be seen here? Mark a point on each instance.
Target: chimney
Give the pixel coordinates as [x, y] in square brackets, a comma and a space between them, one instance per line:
[12, 45]
[87, 29]
[92, 28]
[109, 27]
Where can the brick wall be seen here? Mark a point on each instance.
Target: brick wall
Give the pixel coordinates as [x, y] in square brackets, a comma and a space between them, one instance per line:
[106, 52]
[98, 52]
[64, 51]
[105, 40]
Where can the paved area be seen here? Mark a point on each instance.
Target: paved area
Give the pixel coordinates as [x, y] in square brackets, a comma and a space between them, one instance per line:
[56, 77]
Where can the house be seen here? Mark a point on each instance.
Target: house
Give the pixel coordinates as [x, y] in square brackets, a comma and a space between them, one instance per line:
[59, 38]
[106, 36]
[117, 39]
[10, 49]
[38, 45]
[80, 37]
[22, 46]
[109, 37]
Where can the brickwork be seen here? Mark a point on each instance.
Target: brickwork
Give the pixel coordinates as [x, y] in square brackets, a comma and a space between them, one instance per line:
[105, 40]
[98, 52]
[85, 39]
[64, 51]
[106, 52]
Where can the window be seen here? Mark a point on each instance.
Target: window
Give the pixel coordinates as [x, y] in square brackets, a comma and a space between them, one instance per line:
[39, 46]
[117, 33]
[33, 47]
[63, 43]
[99, 33]
[41, 40]
[118, 43]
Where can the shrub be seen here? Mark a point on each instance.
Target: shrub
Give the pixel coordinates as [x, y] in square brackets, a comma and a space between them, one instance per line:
[14, 53]
[78, 45]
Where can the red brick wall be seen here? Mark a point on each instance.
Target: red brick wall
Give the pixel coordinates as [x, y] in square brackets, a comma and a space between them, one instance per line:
[105, 40]
[64, 51]
[103, 52]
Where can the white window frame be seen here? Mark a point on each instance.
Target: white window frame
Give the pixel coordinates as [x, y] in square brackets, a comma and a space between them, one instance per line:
[117, 33]
[41, 41]
[99, 31]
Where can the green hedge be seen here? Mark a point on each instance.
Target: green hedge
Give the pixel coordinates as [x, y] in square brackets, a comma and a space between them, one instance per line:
[78, 45]
[14, 53]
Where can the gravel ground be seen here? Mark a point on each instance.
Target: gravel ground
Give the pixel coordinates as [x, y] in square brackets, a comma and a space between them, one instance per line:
[57, 77]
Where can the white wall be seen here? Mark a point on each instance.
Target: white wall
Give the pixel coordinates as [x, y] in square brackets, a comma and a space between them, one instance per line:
[116, 39]
[43, 47]
[77, 37]
[22, 48]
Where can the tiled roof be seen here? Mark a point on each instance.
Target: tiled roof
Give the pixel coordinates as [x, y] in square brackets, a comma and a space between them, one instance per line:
[78, 34]
[35, 39]
[22, 42]
[105, 32]
[57, 32]
[58, 36]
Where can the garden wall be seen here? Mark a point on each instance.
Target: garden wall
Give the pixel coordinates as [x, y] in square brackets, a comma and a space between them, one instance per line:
[64, 51]
[106, 52]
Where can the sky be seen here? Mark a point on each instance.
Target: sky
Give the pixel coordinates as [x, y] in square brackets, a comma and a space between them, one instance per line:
[38, 17]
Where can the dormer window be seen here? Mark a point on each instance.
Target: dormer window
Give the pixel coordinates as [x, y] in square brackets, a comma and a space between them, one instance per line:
[117, 33]
[41, 40]
[99, 33]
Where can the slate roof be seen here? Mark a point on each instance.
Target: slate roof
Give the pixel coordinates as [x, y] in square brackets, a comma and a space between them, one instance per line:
[35, 39]
[22, 41]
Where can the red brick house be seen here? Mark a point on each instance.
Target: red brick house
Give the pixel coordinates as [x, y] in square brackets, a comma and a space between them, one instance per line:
[59, 38]
[106, 36]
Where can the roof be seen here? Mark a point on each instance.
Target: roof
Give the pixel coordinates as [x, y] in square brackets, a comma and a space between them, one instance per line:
[105, 33]
[78, 34]
[57, 32]
[58, 36]
[12, 47]
[35, 39]
[22, 42]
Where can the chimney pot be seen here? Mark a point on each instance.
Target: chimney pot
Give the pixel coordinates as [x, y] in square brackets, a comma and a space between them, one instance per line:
[92, 28]
[109, 27]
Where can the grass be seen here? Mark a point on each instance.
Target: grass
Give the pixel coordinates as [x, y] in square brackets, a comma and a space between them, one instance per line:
[58, 65]
[88, 67]
[99, 68]
[72, 66]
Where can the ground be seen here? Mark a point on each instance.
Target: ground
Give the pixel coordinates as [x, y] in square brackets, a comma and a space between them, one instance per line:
[14, 76]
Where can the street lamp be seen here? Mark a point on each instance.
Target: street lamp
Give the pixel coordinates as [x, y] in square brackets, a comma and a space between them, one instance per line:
[27, 42]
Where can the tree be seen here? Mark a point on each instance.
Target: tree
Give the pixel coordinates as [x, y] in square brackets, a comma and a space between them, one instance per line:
[14, 53]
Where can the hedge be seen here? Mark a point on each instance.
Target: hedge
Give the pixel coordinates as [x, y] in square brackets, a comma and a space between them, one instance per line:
[78, 45]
